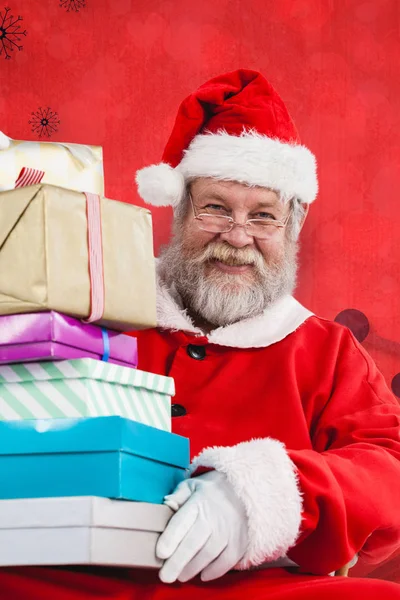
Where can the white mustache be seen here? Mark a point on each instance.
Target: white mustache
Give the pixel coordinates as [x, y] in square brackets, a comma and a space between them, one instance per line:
[229, 255]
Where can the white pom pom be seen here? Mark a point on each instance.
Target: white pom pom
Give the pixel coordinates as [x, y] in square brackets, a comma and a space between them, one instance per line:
[160, 185]
[5, 141]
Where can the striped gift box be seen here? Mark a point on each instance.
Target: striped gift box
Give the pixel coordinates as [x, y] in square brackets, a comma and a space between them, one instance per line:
[84, 388]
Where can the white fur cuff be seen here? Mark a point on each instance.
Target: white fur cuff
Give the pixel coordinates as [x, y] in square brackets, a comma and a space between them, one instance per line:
[265, 479]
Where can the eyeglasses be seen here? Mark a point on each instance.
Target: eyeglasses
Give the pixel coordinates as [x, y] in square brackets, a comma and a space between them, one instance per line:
[258, 228]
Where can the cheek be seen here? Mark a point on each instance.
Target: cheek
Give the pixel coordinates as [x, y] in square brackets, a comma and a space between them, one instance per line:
[271, 249]
[195, 238]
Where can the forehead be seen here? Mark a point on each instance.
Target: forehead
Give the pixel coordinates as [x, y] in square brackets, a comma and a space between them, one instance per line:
[233, 194]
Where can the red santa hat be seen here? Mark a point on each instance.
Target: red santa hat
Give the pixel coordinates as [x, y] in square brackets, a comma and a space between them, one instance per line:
[235, 127]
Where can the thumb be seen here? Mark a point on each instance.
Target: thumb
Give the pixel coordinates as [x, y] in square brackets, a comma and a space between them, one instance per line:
[181, 494]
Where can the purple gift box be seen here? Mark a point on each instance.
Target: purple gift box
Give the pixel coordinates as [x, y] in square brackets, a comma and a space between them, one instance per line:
[53, 336]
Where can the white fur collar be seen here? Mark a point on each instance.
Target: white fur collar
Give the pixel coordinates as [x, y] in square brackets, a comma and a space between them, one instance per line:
[273, 325]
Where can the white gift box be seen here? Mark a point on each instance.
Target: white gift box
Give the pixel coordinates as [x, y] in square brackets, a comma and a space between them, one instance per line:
[80, 531]
[74, 166]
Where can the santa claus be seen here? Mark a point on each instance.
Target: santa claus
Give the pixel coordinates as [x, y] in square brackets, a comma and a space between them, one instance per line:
[294, 433]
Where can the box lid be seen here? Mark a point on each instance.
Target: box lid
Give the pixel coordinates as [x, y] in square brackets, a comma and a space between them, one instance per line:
[93, 434]
[28, 328]
[86, 368]
[83, 511]
[16, 206]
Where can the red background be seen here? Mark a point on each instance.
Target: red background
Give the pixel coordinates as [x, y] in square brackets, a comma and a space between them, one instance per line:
[116, 71]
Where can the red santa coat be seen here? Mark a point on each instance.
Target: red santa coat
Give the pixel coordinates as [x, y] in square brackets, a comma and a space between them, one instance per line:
[296, 414]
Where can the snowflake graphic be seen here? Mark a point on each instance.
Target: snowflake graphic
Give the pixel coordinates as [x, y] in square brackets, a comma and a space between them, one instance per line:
[44, 122]
[10, 33]
[71, 5]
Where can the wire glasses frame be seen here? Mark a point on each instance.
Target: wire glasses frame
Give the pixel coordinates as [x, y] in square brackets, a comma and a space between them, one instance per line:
[258, 228]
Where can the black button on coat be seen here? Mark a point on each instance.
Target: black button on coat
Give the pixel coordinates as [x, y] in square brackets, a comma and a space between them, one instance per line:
[196, 352]
[177, 410]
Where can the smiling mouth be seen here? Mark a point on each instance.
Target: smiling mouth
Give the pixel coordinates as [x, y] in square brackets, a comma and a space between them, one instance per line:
[232, 267]
[233, 262]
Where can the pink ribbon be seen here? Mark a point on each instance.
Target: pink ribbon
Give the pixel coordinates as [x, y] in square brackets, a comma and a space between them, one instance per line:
[95, 243]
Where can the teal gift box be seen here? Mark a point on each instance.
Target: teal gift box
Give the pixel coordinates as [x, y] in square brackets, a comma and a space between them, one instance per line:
[112, 457]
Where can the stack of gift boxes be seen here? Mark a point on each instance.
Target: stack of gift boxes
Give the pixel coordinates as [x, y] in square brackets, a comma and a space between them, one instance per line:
[86, 449]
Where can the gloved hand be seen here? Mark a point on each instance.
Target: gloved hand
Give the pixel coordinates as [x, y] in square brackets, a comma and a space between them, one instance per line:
[209, 532]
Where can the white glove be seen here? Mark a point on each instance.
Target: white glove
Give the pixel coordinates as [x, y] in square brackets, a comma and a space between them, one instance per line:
[209, 532]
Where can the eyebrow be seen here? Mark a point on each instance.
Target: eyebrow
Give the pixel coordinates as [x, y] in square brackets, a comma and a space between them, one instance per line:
[214, 196]
[266, 204]
[262, 204]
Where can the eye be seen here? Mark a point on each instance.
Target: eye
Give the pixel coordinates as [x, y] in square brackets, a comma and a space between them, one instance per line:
[214, 208]
[264, 215]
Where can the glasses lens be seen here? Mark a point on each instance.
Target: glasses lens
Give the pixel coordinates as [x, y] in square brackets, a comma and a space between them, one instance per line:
[214, 223]
[262, 229]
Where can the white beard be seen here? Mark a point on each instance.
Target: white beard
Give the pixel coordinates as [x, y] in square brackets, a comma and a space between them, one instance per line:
[221, 298]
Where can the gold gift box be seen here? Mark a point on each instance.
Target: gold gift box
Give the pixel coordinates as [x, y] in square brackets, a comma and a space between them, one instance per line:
[44, 261]
[73, 166]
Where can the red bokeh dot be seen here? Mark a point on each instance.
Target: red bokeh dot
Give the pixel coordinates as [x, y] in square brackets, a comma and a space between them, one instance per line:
[356, 321]
[396, 385]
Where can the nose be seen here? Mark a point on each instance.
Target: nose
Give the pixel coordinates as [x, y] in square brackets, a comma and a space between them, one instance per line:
[237, 237]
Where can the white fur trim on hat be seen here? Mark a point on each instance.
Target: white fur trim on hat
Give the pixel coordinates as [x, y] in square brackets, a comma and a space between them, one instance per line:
[250, 158]
[265, 479]
[160, 185]
[253, 159]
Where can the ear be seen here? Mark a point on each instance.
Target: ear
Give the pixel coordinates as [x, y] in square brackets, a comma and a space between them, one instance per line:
[306, 208]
